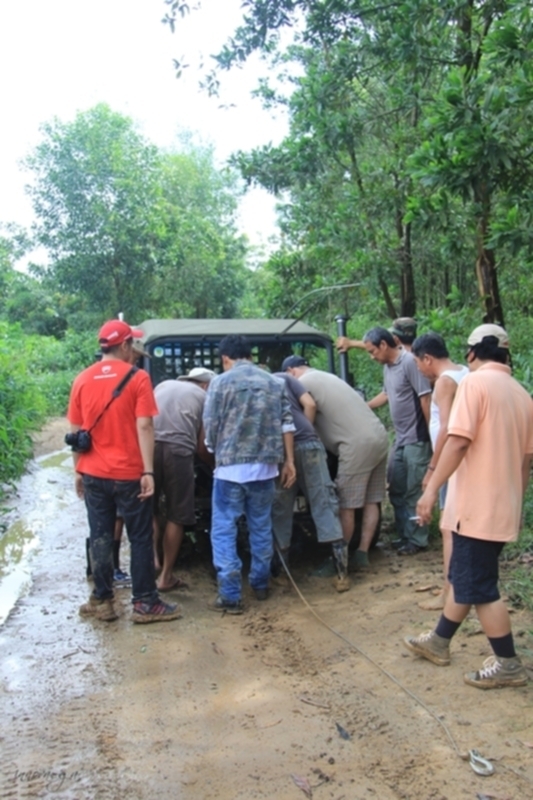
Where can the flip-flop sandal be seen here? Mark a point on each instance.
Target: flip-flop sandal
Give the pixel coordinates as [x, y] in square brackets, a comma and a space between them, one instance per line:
[174, 586]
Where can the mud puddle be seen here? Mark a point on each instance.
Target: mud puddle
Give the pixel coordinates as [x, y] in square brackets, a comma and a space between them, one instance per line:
[42, 496]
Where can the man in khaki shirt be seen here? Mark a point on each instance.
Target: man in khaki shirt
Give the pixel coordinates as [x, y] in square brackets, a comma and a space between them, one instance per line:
[348, 429]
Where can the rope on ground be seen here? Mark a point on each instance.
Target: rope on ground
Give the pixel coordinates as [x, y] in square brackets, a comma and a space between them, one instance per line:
[389, 675]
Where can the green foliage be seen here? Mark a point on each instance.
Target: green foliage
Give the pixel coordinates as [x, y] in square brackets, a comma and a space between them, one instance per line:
[36, 374]
[29, 303]
[129, 228]
[517, 577]
[408, 162]
[200, 270]
[22, 407]
[55, 364]
[95, 195]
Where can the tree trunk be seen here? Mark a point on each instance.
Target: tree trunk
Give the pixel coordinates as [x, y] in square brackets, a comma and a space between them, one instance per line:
[487, 275]
[388, 299]
[408, 294]
[446, 283]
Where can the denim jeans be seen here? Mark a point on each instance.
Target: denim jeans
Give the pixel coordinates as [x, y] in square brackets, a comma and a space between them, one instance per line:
[314, 480]
[230, 501]
[406, 472]
[103, 499]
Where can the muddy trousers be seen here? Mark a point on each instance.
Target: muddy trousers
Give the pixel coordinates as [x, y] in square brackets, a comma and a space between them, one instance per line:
[104, 499]
[230, 501]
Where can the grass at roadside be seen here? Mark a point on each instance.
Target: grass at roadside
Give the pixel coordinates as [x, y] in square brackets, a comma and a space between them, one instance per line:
[517, 571]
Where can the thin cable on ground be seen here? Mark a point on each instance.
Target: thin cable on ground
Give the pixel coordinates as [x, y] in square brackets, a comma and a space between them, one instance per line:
[480, 765]
[390, 676]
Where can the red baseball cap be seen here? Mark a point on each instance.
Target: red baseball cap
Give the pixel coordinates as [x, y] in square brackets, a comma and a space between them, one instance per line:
[115, 332]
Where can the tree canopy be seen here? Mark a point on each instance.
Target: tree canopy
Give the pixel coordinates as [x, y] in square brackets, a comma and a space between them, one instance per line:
[130, 228]
[408, 166]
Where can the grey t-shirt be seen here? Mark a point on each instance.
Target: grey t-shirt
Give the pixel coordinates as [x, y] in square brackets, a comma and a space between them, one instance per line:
[404, 385]
[181, 405]
[346, 425]
[305, 431]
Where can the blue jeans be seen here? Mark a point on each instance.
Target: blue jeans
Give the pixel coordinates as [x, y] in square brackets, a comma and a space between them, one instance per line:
[314, 480]
[103, 499]
[230, 501]
[406, 471]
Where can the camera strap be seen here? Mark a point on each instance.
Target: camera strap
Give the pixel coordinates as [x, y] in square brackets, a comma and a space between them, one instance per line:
[117, 391]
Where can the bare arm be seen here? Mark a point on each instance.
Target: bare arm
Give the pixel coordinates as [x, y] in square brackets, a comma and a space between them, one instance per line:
[202, 451]
[443, 396]
[145, 437]
[379, 400]
[425, 403]
[288, 470]
[343, 344]
[309, 406]
[452, 454]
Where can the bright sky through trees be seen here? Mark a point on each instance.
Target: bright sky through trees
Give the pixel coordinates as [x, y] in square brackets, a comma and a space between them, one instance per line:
[62, 56]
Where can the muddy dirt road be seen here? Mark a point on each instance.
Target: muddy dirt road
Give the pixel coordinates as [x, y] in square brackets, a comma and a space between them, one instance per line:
[243, 707]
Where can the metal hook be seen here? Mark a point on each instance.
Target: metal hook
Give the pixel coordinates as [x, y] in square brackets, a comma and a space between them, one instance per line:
[480, 765]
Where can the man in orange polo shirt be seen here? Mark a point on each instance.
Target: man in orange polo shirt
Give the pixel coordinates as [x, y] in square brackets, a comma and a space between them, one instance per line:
[489, 448]
[115, 471]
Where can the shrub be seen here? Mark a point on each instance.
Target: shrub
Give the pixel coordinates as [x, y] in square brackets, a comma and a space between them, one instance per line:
[22, 406]
[36, 373]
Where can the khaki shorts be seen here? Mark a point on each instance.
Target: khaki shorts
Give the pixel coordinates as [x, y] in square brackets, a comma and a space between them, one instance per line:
[355, 491]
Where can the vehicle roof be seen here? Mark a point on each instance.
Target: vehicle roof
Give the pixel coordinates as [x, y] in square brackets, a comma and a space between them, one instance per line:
[157, 328]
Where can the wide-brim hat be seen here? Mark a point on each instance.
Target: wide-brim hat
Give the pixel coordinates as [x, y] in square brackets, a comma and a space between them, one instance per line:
[138, 346]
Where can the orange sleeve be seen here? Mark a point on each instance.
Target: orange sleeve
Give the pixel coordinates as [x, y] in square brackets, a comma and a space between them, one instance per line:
[145, 404]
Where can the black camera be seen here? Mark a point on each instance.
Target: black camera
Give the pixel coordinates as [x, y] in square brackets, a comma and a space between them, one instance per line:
[79, 441]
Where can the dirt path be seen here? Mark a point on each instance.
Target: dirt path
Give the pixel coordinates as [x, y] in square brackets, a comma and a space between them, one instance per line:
[226, 707]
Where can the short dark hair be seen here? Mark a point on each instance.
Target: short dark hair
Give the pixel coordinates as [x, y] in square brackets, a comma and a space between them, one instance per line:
[106, 350]
[235, 346]
[489, 350]
[377, 335]
[430, 344]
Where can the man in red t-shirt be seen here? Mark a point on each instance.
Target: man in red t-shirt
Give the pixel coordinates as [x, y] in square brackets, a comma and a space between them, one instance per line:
[115, 475]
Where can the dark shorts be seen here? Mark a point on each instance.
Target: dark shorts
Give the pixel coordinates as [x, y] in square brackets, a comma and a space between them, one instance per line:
[174, 477]
[474, 570]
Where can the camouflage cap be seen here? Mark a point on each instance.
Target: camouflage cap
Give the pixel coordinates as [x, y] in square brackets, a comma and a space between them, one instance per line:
[403, 326]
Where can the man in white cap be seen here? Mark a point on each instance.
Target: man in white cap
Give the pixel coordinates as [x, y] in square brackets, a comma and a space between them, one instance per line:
[110, 413]
[489, 448]
[179, 434]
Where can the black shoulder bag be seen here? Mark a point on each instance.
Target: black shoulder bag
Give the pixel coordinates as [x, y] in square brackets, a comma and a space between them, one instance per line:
[81, 441]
